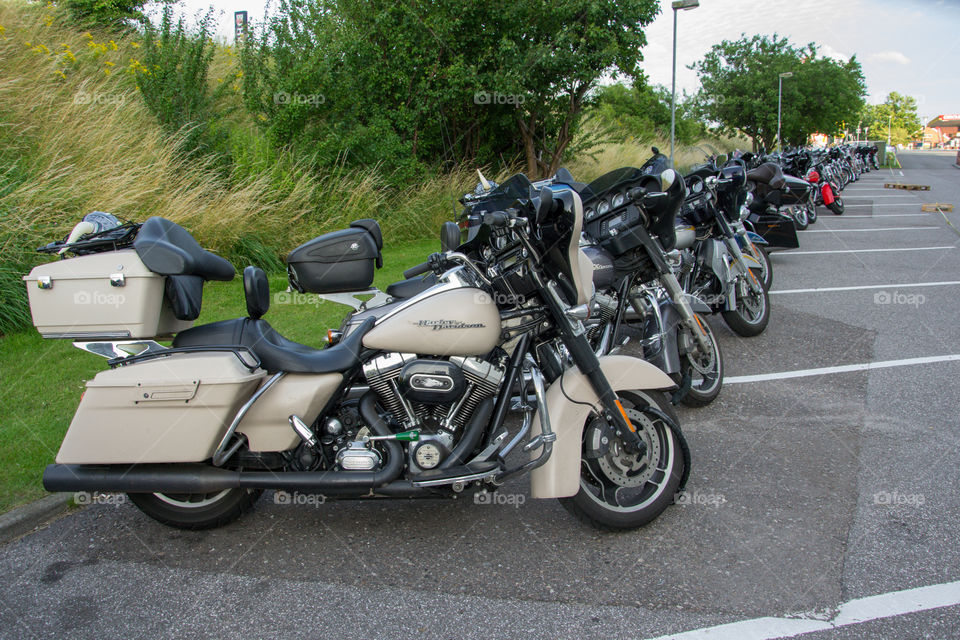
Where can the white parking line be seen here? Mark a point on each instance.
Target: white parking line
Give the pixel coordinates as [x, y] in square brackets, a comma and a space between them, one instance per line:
[879, 607]
[879, 204]
[812, 253]
[864, 287]
[879, 215]
[862, 230]
[844, 368]
[891, 196]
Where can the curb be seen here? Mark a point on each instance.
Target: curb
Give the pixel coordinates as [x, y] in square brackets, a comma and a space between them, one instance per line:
[21, 520]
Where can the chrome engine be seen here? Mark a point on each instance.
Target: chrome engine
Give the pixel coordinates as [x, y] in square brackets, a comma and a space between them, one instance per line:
[436, 397]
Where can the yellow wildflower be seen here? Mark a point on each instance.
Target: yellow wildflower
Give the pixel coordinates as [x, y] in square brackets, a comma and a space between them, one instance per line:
[62, 74]
[68, 55]
[48, 20]
[113, 45]
[108, 63]
[263, 117]
[88, 36]
[135, 45]
[106, 71]
[2, 30]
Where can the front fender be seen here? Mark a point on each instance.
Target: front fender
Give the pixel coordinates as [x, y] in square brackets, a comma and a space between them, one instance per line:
[559, 477]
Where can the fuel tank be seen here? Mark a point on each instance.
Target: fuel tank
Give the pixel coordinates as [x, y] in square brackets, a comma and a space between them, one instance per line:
[458, 322]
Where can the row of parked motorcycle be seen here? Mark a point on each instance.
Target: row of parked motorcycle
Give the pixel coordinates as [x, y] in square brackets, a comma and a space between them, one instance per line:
[579, 307]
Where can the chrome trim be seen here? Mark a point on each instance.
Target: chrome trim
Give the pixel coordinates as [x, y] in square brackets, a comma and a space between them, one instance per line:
[115, 348]
[118, 280]
[457, 479]
[222, 454]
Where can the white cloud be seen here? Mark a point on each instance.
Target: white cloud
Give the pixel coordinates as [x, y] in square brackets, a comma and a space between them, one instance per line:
[890, 56]
[827, 51]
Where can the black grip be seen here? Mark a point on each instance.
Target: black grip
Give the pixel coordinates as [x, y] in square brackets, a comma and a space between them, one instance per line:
[495, 219]
[413, 272]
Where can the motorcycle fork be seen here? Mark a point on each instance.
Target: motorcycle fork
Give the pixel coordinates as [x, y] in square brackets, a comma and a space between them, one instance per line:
[734, 249]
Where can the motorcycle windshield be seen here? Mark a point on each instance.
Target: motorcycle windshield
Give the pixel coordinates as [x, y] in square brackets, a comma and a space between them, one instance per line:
[609, 181]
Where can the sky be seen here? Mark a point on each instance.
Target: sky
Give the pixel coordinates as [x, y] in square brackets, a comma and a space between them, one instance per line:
[908, 46]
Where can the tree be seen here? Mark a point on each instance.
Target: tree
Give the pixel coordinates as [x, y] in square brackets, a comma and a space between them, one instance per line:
[115, 14]
[740, 86]
[642, 111]
[896, 115]
[406, 84]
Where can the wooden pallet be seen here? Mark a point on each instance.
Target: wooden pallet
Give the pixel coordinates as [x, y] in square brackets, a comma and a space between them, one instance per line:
[908, 187]
[936, 206]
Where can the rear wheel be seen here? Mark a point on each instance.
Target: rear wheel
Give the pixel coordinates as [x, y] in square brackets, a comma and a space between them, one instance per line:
[196, 510]
[618, 489]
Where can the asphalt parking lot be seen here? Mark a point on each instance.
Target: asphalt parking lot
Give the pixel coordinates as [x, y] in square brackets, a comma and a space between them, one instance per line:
[809, 491]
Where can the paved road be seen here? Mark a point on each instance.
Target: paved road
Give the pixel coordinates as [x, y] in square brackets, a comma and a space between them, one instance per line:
[806, 493]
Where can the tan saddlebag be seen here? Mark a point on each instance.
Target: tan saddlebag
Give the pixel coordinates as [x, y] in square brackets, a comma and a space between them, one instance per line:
[173, 408]
[100, 296]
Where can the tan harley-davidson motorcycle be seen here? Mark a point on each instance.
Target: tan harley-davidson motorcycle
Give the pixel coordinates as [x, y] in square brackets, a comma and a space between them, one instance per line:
[410, 401]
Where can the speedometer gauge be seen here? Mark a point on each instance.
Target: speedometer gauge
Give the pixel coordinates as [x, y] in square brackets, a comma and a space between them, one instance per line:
[618, 200]
[697, 186]
[603, 207]
[589, 213]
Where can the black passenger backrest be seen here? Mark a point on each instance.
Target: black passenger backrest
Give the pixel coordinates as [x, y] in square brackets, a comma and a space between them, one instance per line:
[373, 228]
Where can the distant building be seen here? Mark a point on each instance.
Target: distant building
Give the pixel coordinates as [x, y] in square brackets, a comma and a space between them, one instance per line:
[942, 131]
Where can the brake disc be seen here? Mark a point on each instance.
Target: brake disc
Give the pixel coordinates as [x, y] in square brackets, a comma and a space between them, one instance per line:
[626, 469]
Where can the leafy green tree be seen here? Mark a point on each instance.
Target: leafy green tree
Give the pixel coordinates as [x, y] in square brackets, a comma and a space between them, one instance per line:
[897, 115]
[740, 85]
[408, 84]
[643, 111]
[116, 14]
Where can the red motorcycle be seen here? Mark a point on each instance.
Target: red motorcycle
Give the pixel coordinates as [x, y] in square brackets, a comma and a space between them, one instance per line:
[827, 192]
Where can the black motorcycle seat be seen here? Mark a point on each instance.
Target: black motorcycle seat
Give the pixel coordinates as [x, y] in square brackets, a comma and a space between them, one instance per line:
[768, 173]
[168, 249]
[411, 287]
[277, 353]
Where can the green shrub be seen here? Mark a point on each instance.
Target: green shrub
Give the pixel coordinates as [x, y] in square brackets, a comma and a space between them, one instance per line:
[172, 78]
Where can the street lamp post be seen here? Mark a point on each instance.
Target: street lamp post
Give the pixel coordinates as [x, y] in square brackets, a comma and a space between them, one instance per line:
[787, 74]
[678, 5]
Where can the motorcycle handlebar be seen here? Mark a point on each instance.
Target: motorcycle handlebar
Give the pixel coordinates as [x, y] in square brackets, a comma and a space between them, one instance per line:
[413, 272]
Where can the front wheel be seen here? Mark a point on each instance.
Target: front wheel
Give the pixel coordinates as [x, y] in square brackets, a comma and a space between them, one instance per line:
[836, 206]
[196, 510]
[618, 489]
[752, 314]
[800, 219]
[705, 367]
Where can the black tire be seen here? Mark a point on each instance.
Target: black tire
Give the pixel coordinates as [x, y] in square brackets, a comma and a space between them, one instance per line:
[766, 267]
[589, 505]
[208, 511]
[812, 213]
[836, 206]
[709, 368]
[749, 319]
[800, 220]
